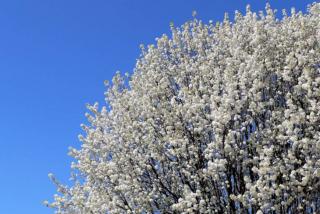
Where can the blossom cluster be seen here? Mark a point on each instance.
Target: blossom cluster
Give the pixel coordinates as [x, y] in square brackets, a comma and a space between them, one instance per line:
[217, 118]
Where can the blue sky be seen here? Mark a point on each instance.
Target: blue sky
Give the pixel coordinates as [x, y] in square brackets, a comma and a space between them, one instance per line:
[54, 57]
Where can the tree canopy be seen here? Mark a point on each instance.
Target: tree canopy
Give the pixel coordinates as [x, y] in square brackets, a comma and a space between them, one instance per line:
[217, 118]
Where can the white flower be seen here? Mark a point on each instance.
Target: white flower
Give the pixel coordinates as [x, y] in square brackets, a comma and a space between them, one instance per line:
[213, 114]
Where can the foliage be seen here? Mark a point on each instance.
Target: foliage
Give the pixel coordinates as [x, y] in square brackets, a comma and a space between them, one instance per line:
[219, 118]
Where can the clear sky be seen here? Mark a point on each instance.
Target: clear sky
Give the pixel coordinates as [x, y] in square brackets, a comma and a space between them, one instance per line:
[54, 57]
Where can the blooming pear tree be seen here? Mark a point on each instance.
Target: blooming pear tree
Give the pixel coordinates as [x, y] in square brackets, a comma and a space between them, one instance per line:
[217, 118]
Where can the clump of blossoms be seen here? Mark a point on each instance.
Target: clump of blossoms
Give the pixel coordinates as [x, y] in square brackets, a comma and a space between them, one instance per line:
[218, 118]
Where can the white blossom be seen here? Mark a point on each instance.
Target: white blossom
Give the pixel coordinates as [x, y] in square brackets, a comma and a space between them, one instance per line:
[218, 118]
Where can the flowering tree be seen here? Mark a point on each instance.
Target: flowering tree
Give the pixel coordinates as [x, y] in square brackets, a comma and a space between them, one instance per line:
[218, 118]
